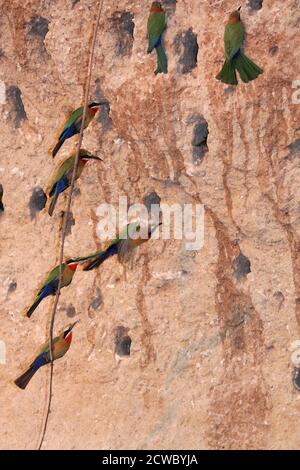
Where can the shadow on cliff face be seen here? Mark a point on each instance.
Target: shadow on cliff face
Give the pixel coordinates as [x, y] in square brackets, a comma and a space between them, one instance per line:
[151, 199]
[97, 300]
[122, 341]
[70, 311]
[186, 45]
[12, 287]
[103, 117]
[37, 201]
[17, 110]
[37, 28]
[296, 379]
[241, 266]
[199, 142]
[255, 4]
[70, 223]
[294, 149]
[169, 6]
[122, 26]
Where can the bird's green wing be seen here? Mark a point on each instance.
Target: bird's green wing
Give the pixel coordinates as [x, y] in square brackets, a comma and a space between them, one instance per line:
[125, 232]
[74, 116]
[97, 253]
[126, 243]
[123, 235]
[63, 168]
[121, 240]
[54, 274]
[233, 38]
[46, 346]
[156, 25]
[124, 249]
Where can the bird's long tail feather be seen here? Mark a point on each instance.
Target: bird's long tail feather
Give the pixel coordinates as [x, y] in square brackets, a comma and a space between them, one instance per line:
[162, 60]
[153, 43]
[227, 74]
[35, 304]
[48, 289]
[66, 134]
[59, 187]
[57, 147]
[247, 69]
[112, 250]
[24, 379]
[53, 203]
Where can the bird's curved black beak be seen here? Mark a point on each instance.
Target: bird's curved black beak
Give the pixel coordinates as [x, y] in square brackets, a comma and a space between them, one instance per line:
[93, 157]
[101, 103]
[73, 324]
[86, 258]
[155, 227]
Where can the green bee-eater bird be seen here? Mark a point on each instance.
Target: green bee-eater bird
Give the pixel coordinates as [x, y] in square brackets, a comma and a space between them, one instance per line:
[122, 245]
[60, 346]
[155, 27]
[73, 124]
[63, 175]
[50, 285]
[1, 196]
[235, 59]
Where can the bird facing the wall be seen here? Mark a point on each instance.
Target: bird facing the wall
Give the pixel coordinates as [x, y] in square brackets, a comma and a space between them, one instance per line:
[235, 59]
[155, 28]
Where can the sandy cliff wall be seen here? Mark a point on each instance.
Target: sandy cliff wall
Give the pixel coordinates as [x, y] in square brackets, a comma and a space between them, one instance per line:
[210, 363]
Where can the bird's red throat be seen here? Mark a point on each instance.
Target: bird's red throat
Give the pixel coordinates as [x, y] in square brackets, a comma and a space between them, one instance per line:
[234, 18]
[68, 338]
[156, 9]
[73, 266]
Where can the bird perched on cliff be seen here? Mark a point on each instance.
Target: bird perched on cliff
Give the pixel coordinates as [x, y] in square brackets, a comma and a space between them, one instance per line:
[63, 176]
[73, 124]
[1, 196]
[50, 285]
[235, 59]
[60, 346]
[126, 241]
[155, 27]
